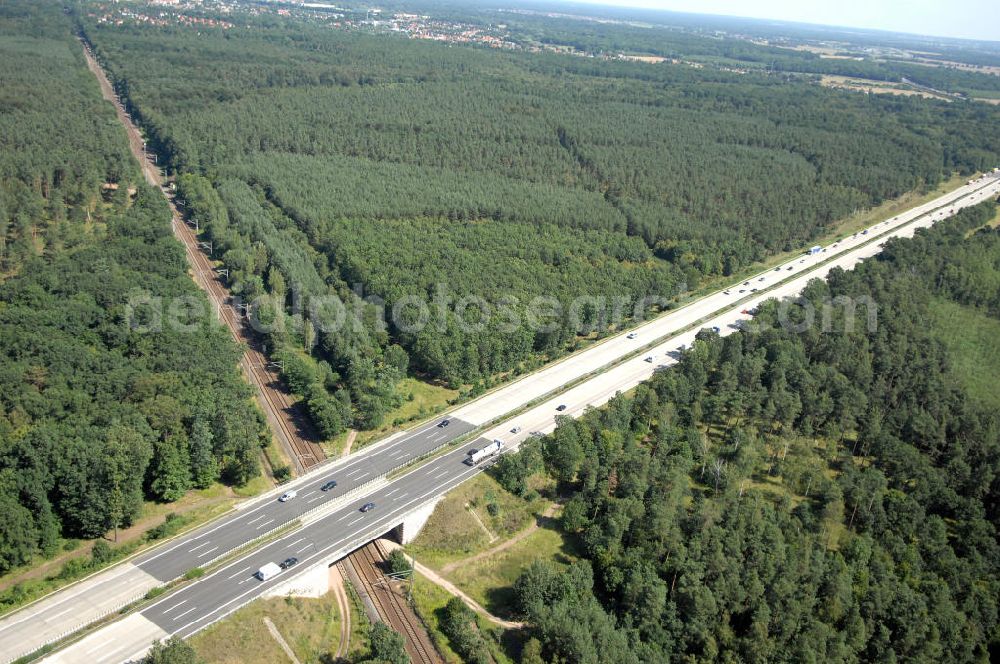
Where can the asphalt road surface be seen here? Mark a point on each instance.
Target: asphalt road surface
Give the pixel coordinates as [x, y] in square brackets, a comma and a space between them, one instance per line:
[214, 596]
[222, 536]
[70, 609]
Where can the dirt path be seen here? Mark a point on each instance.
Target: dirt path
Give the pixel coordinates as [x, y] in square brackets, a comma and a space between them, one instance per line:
[276, 635]
[471, 603]
[344, 607]
[506, 544]
[351, 437]
[475, 515]
[453, 589]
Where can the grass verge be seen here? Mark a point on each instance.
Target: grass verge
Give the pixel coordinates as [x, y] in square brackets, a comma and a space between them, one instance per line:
[420, 400]
[973, 341]
[428, 601]
[311, 627]
[453, 534]
[489, 580]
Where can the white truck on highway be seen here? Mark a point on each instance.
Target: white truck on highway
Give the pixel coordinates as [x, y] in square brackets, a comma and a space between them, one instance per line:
[475, 456]
[268, 571]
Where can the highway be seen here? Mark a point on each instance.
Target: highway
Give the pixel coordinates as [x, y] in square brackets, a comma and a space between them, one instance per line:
[344, 527]
[536, 385]
[216, 539]
[628, 374]
[82, 603]
[65, 611]
[216, 595]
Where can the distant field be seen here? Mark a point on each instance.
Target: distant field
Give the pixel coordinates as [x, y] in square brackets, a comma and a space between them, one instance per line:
[974, 341]
[874, 87]
[981, 69]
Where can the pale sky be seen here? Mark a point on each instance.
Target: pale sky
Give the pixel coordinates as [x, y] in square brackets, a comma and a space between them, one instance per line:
[970, 19]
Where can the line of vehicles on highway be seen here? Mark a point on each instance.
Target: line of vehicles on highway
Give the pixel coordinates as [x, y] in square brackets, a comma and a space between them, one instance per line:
[474, 457]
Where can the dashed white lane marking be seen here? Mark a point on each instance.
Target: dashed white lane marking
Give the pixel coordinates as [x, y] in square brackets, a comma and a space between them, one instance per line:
[56, 615]
[183, 601]
[181, 615]
[264, 524]
[104, 658]
[99, 646]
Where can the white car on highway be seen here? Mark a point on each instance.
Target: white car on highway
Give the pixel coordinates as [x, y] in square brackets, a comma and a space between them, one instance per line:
[288, 495]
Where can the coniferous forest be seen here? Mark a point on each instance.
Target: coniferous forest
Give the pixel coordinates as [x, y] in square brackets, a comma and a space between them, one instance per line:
[790, 493]
[800, 490]
[96, 415]
[374, 167]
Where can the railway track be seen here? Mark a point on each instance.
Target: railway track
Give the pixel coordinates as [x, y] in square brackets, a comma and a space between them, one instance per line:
[344, 606]
[276, 402]
[391, 606]
[277, 405]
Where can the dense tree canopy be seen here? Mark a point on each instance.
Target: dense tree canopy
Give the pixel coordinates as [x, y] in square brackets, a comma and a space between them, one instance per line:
[100, 407]
[376, 169]
[792, 492]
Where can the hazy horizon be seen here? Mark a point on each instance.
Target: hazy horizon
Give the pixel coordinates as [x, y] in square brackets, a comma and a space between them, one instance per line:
[977, 19]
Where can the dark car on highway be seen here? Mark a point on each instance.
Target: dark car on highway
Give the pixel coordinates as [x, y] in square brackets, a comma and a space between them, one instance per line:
[329, 485]
[444, 423]
[561, 407]
[289, 562]
[368, 507]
